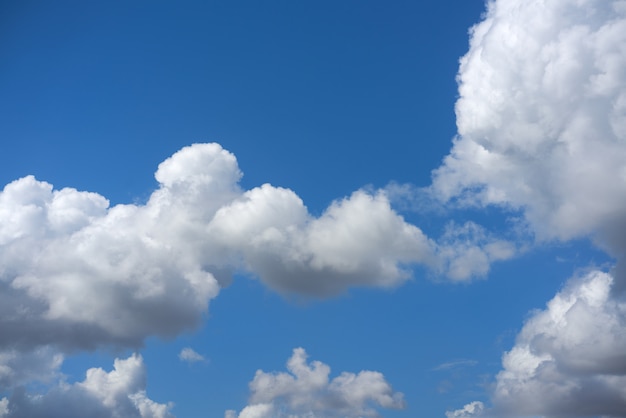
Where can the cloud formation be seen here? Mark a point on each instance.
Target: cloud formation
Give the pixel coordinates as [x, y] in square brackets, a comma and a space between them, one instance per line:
[542, 116]
[306, 392]
[570, 358]
[542, 132]
[118, 393]
[189, 355]
[472, 409]
[467, 251]
[78, 274]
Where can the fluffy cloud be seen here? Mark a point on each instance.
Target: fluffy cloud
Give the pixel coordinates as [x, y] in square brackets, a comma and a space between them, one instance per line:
[541, 131]
[569, 359]
[85, 276]
[307, 392]
[118, 393]
[359, 240]
[472, 409]
[76, 273]
[542, 116]
[20, 367]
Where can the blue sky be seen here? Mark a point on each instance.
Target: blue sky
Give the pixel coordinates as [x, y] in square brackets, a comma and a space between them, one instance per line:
[453, 224]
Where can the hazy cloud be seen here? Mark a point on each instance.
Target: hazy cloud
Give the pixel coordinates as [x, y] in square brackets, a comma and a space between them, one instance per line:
[467, 251]
[4, 407]
[455, 364]
[307, 392]
[20, 367]
[189, 355]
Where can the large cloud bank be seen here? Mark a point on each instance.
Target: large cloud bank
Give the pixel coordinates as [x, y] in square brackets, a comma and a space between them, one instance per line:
[542, 131]
[307, 392]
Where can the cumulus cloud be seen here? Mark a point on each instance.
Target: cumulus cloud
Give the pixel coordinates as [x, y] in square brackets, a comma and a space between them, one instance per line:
[307, 392]
[541, 123]
[472, 409]
[118, 393]
[189, 355]
[359, 240]
[569, 359]
[541, 116]
[76, 273]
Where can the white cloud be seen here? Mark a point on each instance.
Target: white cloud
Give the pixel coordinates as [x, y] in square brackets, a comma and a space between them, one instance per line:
[569, 359]
[118, 393]
[306, 392]
[541, 116]
[541, 130]
[358, 240]
[472, 409]
[190, 356]
[78, 274]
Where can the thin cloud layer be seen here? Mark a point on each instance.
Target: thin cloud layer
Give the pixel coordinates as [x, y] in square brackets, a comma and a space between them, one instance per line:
[307, 392]
[467, 251]
[190, 355]
[118, 393]
[542, 131]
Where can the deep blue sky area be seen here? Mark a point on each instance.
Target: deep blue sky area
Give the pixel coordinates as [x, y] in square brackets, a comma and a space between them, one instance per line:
[321, 97]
